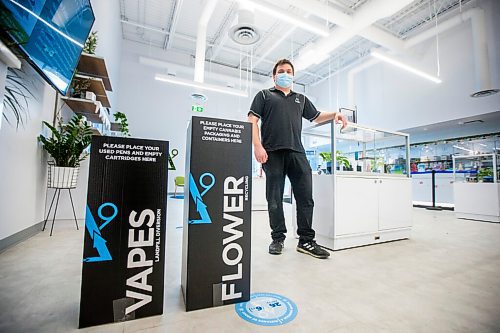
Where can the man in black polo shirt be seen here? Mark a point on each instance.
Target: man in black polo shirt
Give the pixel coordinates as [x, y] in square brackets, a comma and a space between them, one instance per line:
[281, 153]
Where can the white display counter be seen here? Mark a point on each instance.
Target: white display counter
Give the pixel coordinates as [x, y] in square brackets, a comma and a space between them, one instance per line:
[259, 201]
[477, 201]
[362, 192]
[477, 196]
[356, 210]
[422, 188]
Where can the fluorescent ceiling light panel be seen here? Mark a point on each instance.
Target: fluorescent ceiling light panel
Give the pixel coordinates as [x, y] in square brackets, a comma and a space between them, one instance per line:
[410, 69]
[282, 14]
[203, 86]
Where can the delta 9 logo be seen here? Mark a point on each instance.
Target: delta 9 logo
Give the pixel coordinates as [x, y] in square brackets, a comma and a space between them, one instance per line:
[201, 208]
[99, 243]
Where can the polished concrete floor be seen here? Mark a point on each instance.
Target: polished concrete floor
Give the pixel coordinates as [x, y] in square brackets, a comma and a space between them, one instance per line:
[446, 278]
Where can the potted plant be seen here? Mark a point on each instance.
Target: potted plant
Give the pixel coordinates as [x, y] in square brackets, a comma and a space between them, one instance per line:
[122, 123]
[67, 147]
[485, 175]
[342, 160]
[91, 43]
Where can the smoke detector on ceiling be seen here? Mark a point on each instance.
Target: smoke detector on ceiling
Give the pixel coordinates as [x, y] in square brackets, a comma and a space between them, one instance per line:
[245, 32]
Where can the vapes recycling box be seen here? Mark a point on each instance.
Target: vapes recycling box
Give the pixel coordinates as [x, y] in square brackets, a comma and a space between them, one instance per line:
[217, 213]
[124, 246]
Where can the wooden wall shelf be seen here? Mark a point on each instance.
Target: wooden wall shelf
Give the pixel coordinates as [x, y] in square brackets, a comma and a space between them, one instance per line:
[95, 66]
[97, 87]
[84, 107]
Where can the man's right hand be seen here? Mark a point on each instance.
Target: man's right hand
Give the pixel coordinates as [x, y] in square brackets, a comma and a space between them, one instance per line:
[260, 154]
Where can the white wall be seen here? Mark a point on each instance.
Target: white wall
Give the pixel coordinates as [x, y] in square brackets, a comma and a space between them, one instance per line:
[23, 163]
[389, 98]
[109, 46]
[157, 110]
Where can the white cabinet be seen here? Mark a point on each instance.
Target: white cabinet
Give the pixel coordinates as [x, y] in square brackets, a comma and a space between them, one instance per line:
[357, 205]
[379, 204]
[394, 203]
[422, 189]
[478, 201]
[364, 210]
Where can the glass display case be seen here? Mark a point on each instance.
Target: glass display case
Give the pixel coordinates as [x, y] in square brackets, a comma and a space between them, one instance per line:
[482, 168]
[358, 150]
[358, 165]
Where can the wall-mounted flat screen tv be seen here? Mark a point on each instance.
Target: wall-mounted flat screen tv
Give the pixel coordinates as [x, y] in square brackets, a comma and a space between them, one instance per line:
[50, 33]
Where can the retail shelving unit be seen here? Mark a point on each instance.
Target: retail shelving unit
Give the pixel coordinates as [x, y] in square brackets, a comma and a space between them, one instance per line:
[93, 69]
[477, 195]
[366, 200]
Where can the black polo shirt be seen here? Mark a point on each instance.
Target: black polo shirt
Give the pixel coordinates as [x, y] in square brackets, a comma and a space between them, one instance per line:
[281, 118]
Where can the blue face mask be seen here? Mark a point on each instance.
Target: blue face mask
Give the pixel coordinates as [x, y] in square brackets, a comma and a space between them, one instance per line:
[284, 80]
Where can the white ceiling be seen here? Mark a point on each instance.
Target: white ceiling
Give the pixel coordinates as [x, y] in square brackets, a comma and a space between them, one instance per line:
[172, 25]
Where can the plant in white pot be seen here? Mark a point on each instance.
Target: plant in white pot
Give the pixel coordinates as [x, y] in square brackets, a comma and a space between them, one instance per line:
[67, 147]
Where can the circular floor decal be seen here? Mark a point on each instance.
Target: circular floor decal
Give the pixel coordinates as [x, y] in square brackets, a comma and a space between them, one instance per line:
[267, 309]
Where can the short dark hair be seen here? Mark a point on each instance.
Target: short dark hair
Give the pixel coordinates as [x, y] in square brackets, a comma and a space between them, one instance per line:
[283, 62]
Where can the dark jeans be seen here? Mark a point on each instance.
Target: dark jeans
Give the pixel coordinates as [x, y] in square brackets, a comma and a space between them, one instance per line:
[281, 163]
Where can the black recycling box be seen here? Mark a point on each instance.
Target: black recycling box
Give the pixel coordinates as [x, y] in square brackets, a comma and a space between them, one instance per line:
[217, 213]
[124, 245]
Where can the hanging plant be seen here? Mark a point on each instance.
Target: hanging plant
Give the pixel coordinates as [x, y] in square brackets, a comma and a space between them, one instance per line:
[16, 97]
[122, 119]
[91, 43]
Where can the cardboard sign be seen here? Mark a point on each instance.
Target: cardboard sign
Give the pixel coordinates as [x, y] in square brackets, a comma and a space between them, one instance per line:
[124, 246]
[217, 213]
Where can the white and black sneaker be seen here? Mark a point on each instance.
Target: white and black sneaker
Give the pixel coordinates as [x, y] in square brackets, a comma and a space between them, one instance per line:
[313, 249]
[276, 247]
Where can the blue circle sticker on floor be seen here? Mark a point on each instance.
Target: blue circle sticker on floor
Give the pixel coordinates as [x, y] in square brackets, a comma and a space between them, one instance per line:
[267, 309]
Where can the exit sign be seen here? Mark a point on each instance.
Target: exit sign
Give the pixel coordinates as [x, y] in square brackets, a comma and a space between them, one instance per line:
[197, 108]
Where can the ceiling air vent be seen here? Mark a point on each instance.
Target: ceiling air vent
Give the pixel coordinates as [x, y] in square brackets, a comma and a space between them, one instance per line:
[245, 32]
[484, 93]
[244, 35]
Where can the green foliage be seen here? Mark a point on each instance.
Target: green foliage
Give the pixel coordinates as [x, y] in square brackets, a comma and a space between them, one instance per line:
[68, 142]
[17, 94]
[122, 119]
[91, 43]
[484, 172]
[327, 157]
[342, 160]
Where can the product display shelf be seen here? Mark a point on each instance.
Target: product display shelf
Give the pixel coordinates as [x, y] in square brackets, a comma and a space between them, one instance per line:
[84, 107]
[477, 191]
[97, 87]
[92, 65]
[383, 193]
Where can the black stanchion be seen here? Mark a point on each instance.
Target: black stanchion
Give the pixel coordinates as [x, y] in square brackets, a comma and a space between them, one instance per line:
[433, 207]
